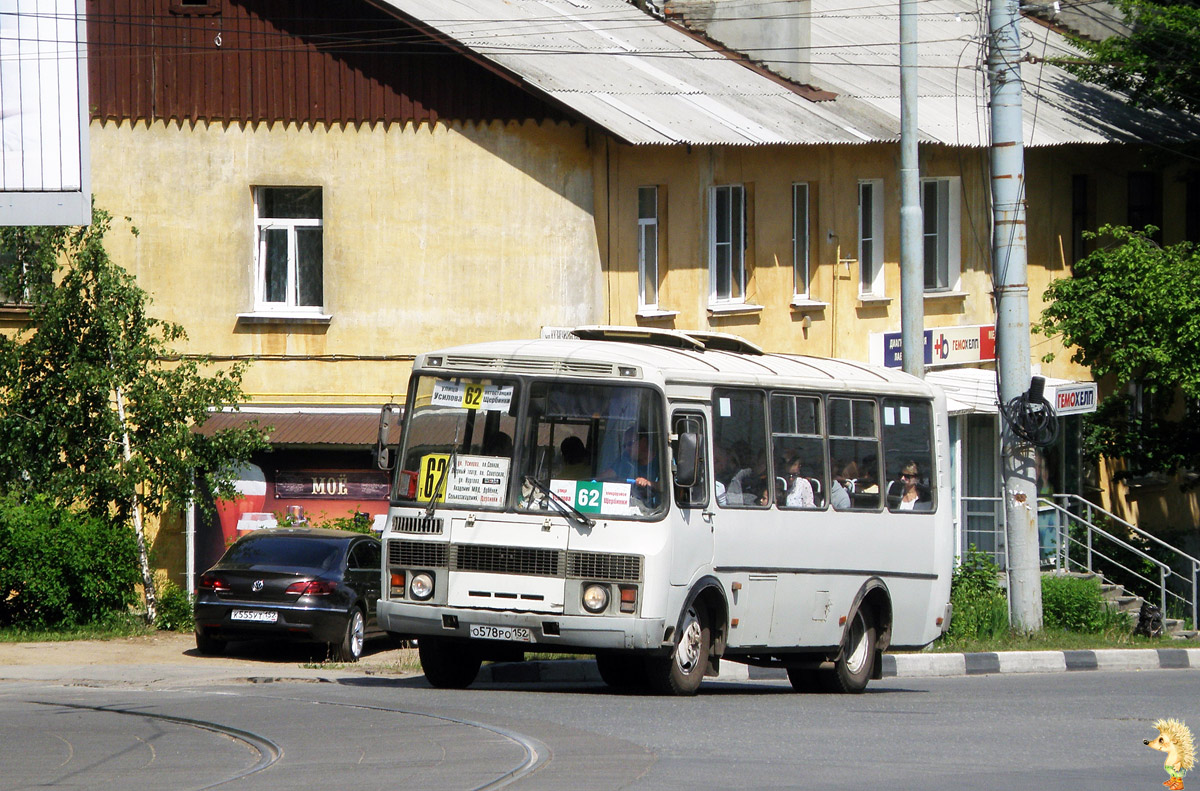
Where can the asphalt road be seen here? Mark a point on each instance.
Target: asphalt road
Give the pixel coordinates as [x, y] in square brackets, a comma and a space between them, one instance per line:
[159, 727]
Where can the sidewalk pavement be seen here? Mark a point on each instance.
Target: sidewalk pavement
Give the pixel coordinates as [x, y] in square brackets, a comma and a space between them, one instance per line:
[920, 665]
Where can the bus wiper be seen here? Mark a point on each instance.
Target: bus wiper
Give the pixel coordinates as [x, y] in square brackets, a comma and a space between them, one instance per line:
[560, 505]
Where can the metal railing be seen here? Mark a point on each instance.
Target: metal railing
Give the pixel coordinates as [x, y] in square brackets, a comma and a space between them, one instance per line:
[1083, 544]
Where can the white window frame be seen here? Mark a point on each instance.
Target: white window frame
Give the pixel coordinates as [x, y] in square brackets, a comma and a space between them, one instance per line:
[735, 245]
[648, 231]
[801, 284]
[290, 225]
[942, 238]
[870, 239]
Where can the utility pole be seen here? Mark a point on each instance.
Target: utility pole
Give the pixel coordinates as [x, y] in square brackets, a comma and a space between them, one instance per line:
[1012, 309]
[912, 241]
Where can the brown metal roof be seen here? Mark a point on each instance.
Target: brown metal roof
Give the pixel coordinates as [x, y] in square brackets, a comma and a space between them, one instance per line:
[301, 428]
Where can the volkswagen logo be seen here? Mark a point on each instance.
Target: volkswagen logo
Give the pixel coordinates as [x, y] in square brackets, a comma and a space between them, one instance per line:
[257, 586]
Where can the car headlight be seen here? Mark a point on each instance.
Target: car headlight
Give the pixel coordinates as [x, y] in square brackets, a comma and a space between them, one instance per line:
[595, 598]
[421, 585]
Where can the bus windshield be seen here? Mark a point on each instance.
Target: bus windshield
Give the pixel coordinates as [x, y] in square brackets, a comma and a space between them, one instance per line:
[598, 448]
[459, 441]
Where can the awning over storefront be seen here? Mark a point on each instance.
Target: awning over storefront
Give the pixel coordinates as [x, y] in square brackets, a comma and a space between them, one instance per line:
[973, 391]
[350, 426]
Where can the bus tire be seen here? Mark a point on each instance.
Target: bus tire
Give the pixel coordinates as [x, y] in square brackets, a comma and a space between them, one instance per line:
[856, 662]
[621, 671]
[806, 679]
[448, 665]
[681, 672]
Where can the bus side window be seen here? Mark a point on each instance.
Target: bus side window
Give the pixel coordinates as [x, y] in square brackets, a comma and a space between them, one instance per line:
[798, 445]
[853, 454]
[696, 495]
[908, 449]
[741, 473]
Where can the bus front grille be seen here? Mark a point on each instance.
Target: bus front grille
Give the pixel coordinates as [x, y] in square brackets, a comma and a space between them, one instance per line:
[604, 567]
[507, 560]
[417, 554]
[417, 524]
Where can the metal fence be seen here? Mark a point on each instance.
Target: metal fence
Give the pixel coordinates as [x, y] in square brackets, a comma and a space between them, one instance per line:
[1089, 539]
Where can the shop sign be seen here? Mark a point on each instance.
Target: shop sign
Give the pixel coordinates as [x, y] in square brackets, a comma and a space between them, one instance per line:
[1074, 398]
[943, 346]
[314, 484]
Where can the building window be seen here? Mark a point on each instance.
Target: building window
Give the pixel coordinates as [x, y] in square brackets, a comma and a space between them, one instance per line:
[647, 248]
[1083, 216]
[1144, 204]
[800, 287]
[289, 253]
[727, 244]
[870, 237]
[940, 226]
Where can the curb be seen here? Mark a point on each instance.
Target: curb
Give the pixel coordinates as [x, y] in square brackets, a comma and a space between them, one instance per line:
[894, 665]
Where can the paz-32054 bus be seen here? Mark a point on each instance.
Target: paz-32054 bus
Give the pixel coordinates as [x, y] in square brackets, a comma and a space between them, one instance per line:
[666, 501]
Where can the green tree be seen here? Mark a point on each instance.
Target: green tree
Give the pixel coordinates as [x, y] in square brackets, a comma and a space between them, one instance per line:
[1131, 311]
[1157, 64]
[96, 410]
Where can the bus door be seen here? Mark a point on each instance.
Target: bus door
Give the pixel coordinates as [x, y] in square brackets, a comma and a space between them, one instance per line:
[691, 528]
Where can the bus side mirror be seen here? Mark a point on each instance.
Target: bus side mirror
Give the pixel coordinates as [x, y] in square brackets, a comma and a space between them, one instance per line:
[389, 415]
[687, 459]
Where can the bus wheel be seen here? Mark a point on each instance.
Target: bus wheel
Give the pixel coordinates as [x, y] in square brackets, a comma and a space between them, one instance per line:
[806, 679]
[448, 665]
[621, 671]
[852, 669]
[681, 672]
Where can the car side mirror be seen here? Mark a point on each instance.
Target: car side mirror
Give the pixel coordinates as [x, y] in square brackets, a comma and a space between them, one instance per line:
[687, 459]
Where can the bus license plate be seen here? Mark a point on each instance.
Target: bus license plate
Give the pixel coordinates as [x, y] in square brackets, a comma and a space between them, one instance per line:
[257, 616]
[518, 634]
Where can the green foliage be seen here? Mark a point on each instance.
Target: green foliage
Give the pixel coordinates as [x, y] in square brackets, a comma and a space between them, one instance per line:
[60, 567]
[90, 341]
[1131, 311]
[354, 521]
[1076, 604]
[980, 609]
[174, 609]
[1157, 64]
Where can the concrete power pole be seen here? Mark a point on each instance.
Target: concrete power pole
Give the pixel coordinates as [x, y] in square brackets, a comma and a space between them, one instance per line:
[912, 241]
[1012, 309]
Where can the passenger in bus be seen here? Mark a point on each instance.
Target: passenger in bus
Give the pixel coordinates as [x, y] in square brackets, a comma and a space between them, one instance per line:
[842, 486]
[576, 464]
[499, 444]
[799, 491]
[909, 494]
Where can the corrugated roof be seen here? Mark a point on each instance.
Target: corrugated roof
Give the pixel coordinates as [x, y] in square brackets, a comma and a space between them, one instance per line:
[290, 426]
[647, 82]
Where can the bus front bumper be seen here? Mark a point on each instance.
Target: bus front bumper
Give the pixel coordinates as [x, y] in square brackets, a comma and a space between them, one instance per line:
[542, 629]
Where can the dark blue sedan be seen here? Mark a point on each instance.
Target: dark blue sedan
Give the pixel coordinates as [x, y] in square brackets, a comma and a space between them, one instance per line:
[288, 583]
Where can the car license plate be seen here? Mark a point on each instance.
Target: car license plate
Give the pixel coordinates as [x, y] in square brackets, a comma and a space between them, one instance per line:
[519, 634]
[258, 616]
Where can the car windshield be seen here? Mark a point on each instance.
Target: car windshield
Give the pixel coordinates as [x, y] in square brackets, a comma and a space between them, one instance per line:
[266, 549]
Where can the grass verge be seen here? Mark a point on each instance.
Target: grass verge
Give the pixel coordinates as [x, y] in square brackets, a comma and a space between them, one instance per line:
[115, 627]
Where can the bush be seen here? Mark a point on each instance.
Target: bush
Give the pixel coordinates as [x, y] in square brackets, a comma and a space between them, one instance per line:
[1077, 605]
[60, 567]
[980, 609]
[174, 609]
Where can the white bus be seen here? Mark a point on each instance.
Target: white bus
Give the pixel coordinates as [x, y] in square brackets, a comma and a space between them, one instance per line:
[666, 500]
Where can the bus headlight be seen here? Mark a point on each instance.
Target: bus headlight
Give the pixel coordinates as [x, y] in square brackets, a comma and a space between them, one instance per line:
[421, 586]
[595, 598]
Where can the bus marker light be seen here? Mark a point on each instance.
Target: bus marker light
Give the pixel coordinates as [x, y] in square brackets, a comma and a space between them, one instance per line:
[397, 584]
[937, 622]
[842, 621]
[737, 586]
[628, 598]
[733, 622]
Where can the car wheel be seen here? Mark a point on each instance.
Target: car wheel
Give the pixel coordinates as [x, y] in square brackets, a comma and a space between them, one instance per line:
[351, 647]
[621, 671]
[852, 669]
[448, 665]
[209, 645]
[681, 672]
